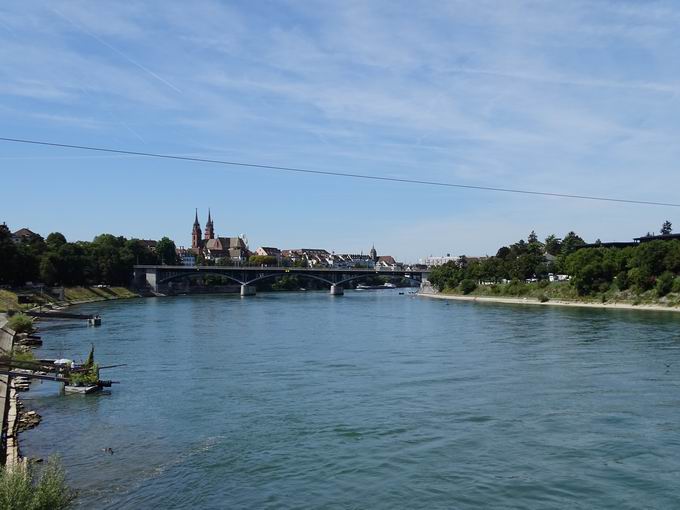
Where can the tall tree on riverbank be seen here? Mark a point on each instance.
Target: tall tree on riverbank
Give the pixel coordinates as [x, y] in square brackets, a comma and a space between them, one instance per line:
[666, 228]
[167, 252]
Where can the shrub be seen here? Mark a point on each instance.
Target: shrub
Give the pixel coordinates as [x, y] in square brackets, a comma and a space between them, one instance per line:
[467, 286]
[516, 288]
[542, 284]
[676, 285]
[543, 298]
[21, 489]
[20, 323]
[622, 280]
[664, 284]
[26, 355]
[641, 279]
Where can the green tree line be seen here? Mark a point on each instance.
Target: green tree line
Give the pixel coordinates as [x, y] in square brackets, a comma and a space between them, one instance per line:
[592, 269]
[107, 259]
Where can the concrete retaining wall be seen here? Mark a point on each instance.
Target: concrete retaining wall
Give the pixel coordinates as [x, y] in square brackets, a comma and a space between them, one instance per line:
[6, 346]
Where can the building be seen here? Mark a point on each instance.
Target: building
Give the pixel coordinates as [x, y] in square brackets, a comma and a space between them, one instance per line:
[661, 237]
[350, 260]
[187, 256]
[267, 251]
[232, 248]
[386, 262]
[23, 234]
[635, 242]
[213, 247]
[313, 257]
[439, 261]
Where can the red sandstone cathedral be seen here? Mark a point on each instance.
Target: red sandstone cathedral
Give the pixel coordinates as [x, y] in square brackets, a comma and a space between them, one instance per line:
[212, 247]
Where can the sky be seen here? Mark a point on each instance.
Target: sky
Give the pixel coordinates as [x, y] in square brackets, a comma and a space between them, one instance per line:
[567, 97]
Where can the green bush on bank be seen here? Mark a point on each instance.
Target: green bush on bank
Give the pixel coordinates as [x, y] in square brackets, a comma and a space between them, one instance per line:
[467, 286]
[21, 489]
[20, 323]
[664, 284]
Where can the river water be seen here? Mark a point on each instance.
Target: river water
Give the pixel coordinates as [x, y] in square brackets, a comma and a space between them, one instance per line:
[371, 400]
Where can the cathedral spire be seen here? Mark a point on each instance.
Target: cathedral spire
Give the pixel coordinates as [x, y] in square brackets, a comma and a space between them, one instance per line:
[209, 228]
[196, 234]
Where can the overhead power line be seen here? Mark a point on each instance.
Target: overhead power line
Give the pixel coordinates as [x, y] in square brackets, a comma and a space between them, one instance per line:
[335, 174]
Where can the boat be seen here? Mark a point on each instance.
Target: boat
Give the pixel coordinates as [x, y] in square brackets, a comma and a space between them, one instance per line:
[388, 285]
[95, 321]
[82, 390]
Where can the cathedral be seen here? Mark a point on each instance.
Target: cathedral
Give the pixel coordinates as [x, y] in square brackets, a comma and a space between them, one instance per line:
[213, 247]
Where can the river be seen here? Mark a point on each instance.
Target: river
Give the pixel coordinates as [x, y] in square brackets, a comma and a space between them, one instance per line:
[371, 400]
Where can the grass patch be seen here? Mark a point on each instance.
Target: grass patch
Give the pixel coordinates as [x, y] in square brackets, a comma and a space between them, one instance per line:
[21, 323]
[9, 299]
[22, 355]
[97, 293]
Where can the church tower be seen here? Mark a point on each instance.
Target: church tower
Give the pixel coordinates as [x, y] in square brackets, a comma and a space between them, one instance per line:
[196, 234]
[209, 229]
[374, 254]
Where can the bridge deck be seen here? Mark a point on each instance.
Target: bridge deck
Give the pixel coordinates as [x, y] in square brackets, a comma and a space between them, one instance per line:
[281, 269]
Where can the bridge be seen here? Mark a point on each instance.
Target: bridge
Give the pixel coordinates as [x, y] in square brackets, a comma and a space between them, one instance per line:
[159, 278]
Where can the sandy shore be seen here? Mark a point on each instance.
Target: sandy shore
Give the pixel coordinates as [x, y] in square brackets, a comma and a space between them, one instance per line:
[535, 302]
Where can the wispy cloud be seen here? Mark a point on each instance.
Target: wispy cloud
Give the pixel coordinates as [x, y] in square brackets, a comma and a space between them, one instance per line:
[573, 96]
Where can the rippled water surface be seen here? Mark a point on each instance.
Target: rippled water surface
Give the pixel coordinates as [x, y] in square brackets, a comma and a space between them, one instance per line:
[367, 401]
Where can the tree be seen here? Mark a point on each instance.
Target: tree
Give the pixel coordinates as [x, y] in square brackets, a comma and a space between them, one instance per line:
[533, 238]
[445, 276]
[666, 228]
[8, 255]
[109, 263]
[55, 241]
[503, 252]
[167, 252]
[140, 252]
[571, 243]
[590, 269]
[262, 260]
[286, 282]
[664, 283]
[467, 286]
[553, 244]
[48, 269]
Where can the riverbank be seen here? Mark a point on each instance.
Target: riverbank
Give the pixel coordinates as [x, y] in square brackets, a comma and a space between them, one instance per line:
[560, 302]
[9, 299]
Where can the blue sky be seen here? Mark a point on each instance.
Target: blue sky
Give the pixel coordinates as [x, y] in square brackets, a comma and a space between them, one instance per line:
[570, 97]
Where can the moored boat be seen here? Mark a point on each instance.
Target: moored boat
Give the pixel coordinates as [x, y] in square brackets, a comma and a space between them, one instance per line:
[82, 390]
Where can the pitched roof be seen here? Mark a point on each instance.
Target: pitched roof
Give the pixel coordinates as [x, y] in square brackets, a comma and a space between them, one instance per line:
[23, 232]
[225, 243]
[268, 250]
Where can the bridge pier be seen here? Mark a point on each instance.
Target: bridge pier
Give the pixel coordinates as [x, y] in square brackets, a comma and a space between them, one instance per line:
[337, 290]
[247, 290]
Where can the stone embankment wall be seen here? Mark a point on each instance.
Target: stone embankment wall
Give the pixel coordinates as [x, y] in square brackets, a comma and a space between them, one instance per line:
[6, 408]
